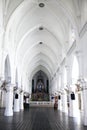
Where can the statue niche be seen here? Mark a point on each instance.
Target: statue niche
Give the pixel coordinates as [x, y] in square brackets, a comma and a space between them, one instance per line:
[40, 86]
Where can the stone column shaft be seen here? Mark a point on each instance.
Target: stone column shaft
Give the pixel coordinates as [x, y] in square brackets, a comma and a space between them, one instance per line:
[9, 101]
[84, 85]
[16, 101]
[21, 101]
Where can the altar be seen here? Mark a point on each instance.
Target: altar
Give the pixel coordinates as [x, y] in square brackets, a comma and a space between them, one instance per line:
[40, 93]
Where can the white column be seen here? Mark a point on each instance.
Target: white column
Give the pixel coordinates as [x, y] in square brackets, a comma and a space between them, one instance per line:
[69, 82]
[1, 25]
[64, 100]
[64, 96]
[21, 101]
[3, 94]
[80, 58]
[9, 101]
[0, 98]
[59, 104]
[84, 85]
[16, 102]
[74, 111]
[59, 89]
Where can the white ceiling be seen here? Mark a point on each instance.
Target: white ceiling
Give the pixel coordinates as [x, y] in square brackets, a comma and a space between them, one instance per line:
[23, 19]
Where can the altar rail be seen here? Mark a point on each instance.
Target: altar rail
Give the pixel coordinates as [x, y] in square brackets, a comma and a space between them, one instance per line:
[41, 104]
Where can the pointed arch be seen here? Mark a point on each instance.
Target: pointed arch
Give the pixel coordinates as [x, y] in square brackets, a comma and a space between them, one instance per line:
[7, 70]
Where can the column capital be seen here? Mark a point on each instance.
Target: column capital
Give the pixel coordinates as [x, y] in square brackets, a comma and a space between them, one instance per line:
[21, 91]
[6, 86]
[78, 53]
[82, 83]
[16, 89]
[68, 67]
[9, 88]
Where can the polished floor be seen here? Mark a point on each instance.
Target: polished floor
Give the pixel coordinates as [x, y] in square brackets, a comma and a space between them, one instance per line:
[40, 119]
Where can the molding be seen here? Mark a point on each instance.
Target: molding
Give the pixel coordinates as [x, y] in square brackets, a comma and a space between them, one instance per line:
[58, 69]
[83, 30]
[63, 62]
[71, 48]
[68, 54]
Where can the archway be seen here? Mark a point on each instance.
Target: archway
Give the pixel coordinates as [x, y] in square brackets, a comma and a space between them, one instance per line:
[40, 87]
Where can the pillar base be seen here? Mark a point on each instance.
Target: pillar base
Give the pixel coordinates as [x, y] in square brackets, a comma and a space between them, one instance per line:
[64, 104]
[74, 113]
[85, 120]
[15, 110]
[16, 105]
[8, 113]
[9, 101]
[22, 107]
[21, 101]
[59, 105]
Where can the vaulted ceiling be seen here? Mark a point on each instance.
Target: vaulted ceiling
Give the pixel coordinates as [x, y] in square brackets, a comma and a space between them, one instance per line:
[38, 32]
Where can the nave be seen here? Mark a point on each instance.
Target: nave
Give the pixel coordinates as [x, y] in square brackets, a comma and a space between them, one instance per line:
[40, 119]
[43, 61]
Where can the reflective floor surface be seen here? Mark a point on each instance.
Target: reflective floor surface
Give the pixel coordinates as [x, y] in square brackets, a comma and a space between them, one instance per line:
[40, 119]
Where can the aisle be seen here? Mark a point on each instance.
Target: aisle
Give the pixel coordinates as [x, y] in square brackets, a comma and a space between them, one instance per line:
[39, 119]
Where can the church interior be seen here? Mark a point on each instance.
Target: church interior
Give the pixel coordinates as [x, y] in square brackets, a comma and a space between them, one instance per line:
[43, 64]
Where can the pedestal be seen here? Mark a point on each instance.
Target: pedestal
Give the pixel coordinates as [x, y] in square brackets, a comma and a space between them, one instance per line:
[64, 103]
[73, 107]
[59, 105]
[21, 101]
[16, 102]
[9, 101]
[85, 107]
